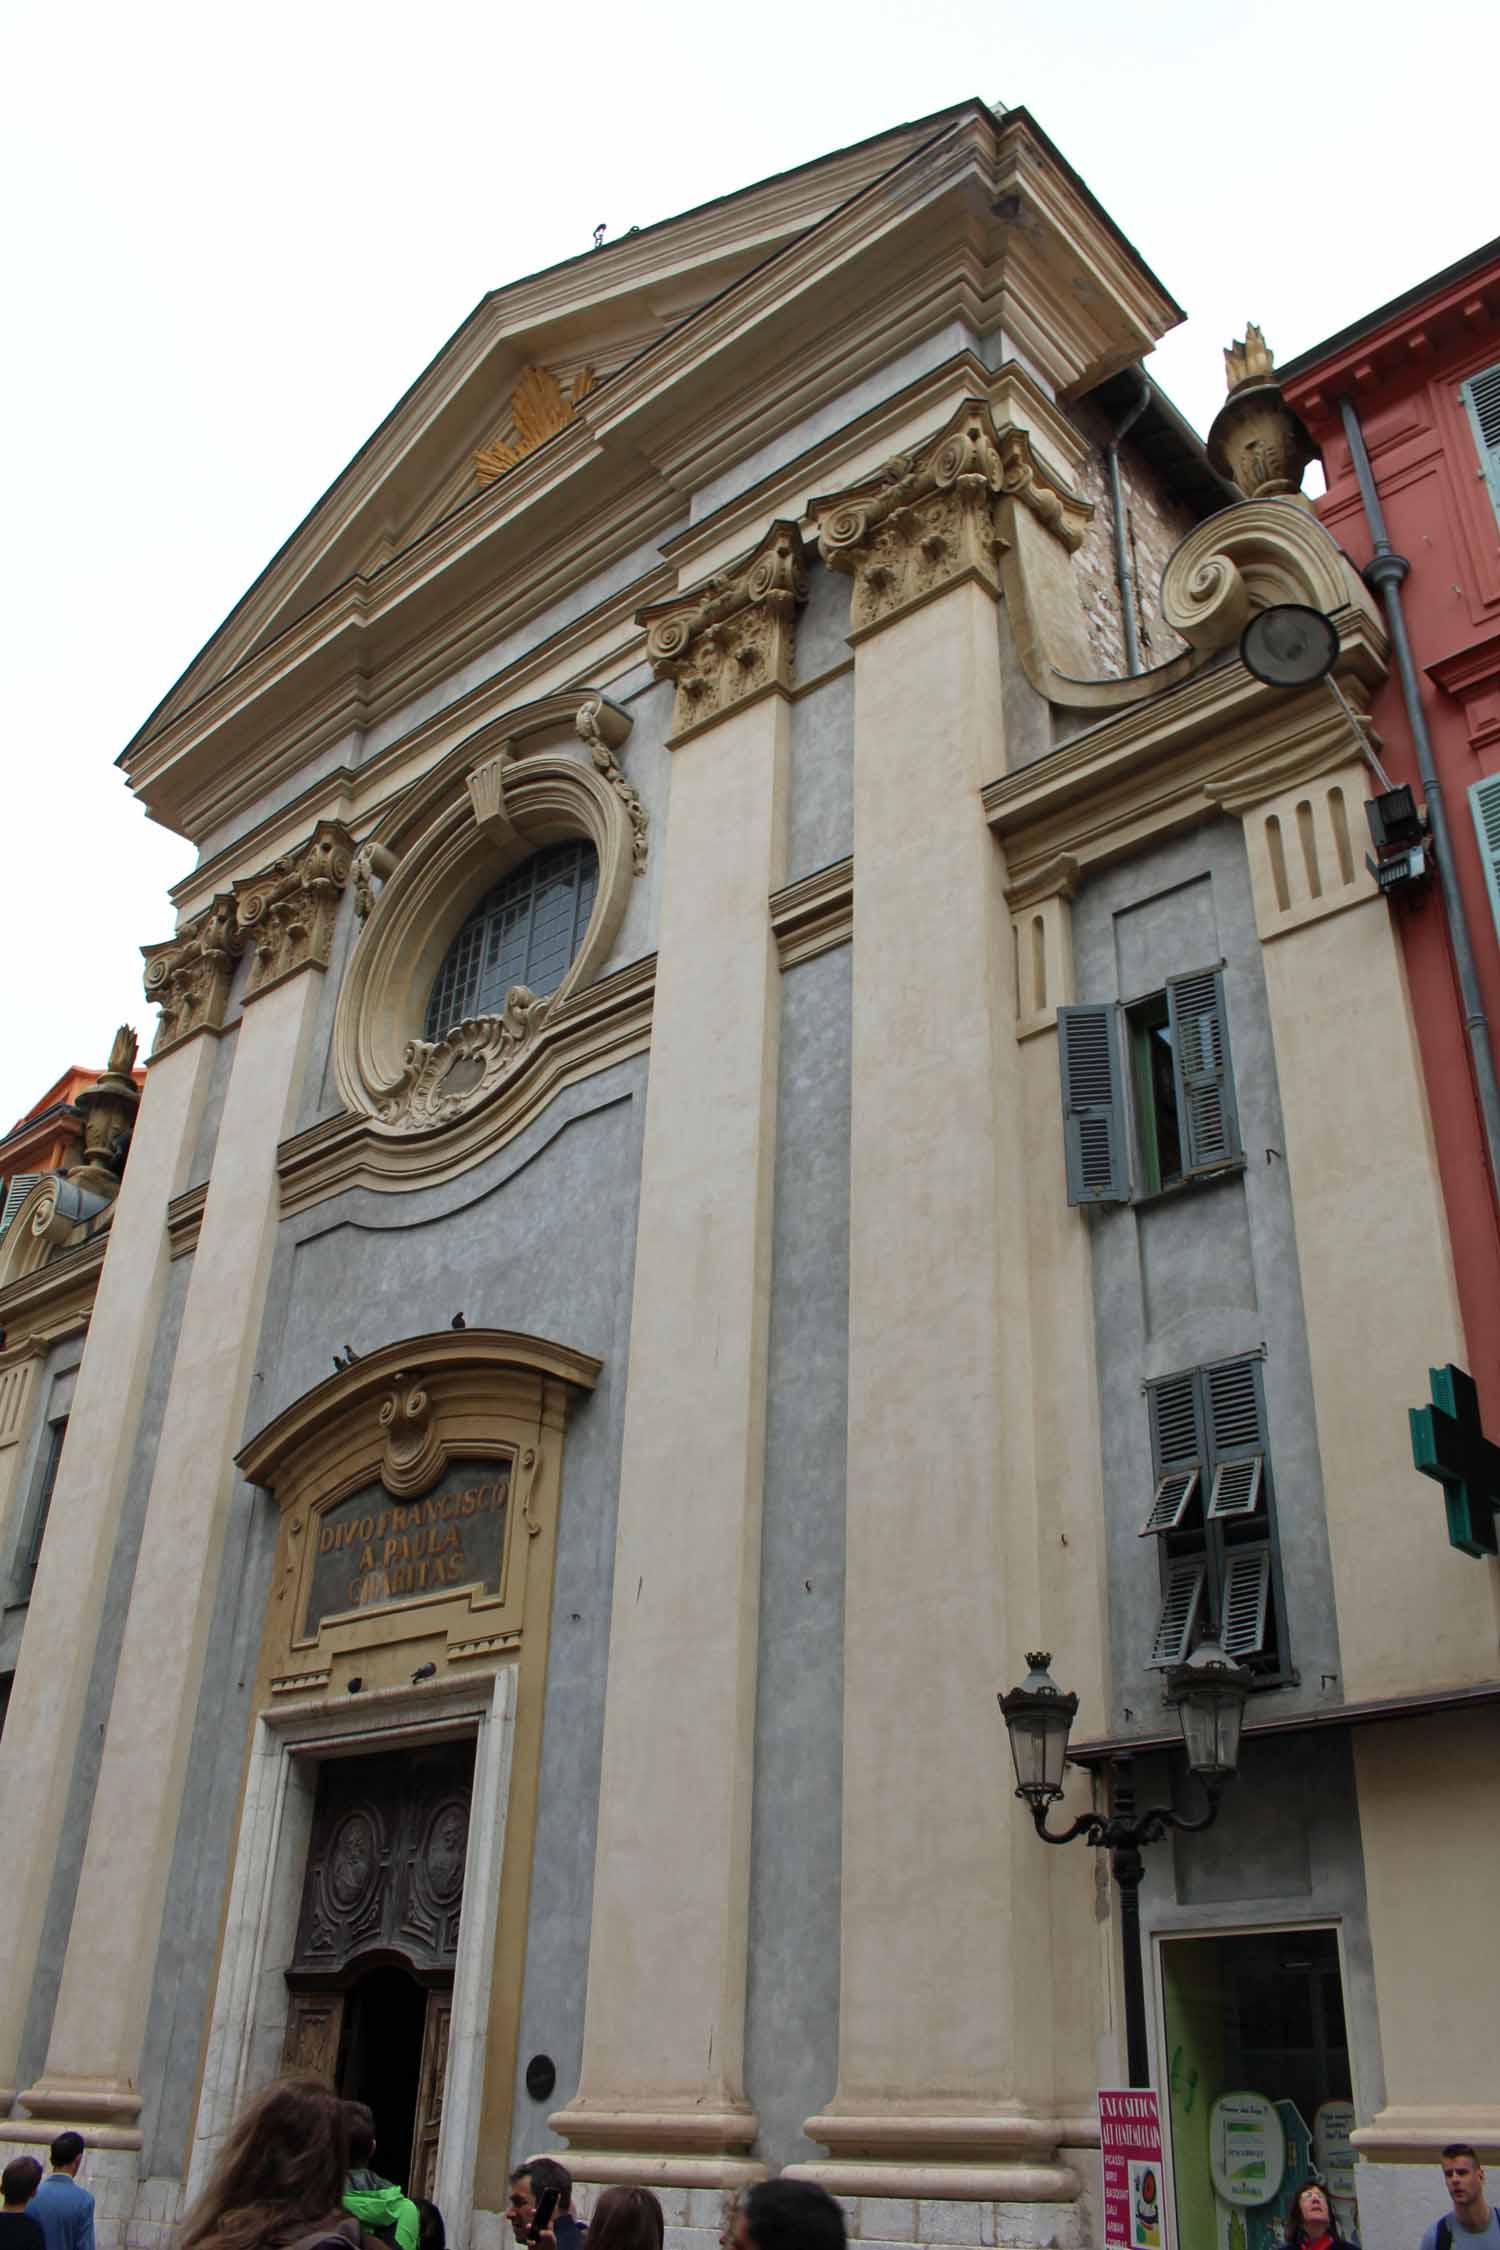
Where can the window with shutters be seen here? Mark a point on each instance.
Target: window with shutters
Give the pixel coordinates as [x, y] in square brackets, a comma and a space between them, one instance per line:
[1211, 1512]
[1179, 1114]
[1481, 397]
[1484, 803]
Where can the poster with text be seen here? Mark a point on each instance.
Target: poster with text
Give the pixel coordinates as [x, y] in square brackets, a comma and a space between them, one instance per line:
[1135, 2196]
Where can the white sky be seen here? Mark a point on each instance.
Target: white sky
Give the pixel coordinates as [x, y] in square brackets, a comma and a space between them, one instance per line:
[234, 237]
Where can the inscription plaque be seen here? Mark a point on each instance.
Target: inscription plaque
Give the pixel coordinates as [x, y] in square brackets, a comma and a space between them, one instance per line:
[372, 1548]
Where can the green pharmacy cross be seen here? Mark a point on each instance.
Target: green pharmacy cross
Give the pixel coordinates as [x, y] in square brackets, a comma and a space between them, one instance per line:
[1448, 1442]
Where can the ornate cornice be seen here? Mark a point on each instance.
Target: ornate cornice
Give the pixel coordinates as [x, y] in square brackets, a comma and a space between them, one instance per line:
[732, 638]
[288, 912]
[926, 520]
[189, 975]
[814, 914]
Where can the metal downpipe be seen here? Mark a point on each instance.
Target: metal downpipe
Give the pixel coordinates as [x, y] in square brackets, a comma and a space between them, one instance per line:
[1385, 572]
[1117, 507]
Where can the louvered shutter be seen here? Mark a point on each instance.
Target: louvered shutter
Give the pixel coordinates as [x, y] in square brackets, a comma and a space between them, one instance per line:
[1484, 802]
[1247, 1592]
[1176, 1450]
[1481, 396]
[13, 1194]
[1093, 1106]
[1236, 1437]
[1179, 1612]
[1200, 1061]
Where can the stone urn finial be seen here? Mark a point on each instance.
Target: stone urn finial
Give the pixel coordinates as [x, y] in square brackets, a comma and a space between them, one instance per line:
[107, 1110]
[1256, 440]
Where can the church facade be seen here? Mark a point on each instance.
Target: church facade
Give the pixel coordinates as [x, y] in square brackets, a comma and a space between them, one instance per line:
[779, 1081]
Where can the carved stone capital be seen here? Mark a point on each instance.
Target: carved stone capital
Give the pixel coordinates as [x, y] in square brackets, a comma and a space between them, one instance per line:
[189, 975]
[731, 638]
[927, 519]
[288, 911]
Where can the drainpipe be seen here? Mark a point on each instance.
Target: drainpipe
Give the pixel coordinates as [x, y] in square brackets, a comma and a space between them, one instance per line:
[1385, 572]
[1117, 503]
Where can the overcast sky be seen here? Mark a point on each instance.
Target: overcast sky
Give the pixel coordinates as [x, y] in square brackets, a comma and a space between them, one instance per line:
[235, 236]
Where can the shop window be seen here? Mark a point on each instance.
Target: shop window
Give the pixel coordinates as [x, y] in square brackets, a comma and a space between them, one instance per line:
[1258, 2083]
[1175, 1106]
[1212, 1513]
[1481, 397]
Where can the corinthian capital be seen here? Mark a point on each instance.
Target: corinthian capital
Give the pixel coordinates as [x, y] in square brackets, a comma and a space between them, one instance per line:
[188, 976]
[732, 637]
[929, 518]
[288, 911]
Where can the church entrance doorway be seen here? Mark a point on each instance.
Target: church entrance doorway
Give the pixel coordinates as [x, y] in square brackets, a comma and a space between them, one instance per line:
[370, 1985]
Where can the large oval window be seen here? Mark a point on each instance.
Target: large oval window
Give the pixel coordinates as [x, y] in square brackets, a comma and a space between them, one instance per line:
[524, 931]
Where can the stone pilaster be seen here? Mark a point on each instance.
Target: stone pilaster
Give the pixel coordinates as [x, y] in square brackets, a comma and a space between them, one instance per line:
[662, 2092]
[92, 2074]
[948, 2064]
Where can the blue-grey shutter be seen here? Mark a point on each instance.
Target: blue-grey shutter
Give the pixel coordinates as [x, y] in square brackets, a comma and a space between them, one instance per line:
[13, 1194]
[1179, 1612]
[1236, 1437]
[1206, 1110]
[1247, 1601]
[1176, 1450]
[1484, 803]
[1481, 396]
[1088, 1049]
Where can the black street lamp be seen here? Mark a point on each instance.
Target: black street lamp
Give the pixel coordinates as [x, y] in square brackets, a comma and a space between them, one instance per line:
[1208, 1693]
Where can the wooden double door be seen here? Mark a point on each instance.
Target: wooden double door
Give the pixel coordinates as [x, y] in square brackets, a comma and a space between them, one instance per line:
[370, 1986]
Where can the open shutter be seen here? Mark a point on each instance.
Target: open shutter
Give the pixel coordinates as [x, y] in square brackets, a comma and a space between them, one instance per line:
[1176, 1450]
[1484, 802]
[1200, 1059]
[1179, 1612]
[13, 1194]
[1093, 1106]
[1481, 396]
[1236, 1437]
[1247, 1593]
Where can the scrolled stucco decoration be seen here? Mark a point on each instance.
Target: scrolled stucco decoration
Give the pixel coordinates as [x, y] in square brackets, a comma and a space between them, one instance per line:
[497, 805]
[603, 727]
[926, 520]
[288, 911]
[412, 1455]
[733, 637]
[373, 863]
[1249, 558]
[188, 977]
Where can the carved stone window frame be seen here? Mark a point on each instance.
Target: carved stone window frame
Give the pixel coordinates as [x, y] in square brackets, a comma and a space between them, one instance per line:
[490, 805]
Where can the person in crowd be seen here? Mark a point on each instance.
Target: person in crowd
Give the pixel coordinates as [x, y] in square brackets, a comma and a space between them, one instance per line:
[279, 2180]
[1309, 2222]
[382, 2209]
[1472, 2224]
[540, 2176]
[61, 2208]
[18, 2184]
[431, 2232]
[626, 2218]
[788, 2215]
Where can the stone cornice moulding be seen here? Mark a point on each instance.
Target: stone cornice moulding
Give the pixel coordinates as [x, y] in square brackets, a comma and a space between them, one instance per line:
[814, 914]
[731, 640]
[188, 976]
[287, 912]
[54, 1300]
[601, 1026]
[926, 520]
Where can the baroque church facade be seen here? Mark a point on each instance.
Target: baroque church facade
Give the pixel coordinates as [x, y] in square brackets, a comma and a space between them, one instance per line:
[768, 1095]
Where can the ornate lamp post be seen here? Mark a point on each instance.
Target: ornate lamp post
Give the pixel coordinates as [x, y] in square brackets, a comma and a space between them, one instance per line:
[1208, 1693]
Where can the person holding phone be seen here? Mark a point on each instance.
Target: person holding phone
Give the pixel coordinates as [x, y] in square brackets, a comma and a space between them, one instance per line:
[540, 2205]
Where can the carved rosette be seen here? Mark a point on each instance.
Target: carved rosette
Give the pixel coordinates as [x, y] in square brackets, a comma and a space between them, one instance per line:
[288, 912]
[443, 1078]
[733, 637]
[189, 976]
[926, 520]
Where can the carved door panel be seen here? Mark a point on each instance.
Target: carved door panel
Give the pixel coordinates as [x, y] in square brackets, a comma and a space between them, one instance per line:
[315, 2021]
[431, 2085]
[385, 1864]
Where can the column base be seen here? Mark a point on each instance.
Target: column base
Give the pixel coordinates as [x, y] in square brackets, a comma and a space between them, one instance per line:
[999, 2158]
[694, 2148]
[1410, 2133]
[105, 2110]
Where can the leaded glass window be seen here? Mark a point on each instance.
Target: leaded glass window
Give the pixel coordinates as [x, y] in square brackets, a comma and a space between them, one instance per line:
[524, 931]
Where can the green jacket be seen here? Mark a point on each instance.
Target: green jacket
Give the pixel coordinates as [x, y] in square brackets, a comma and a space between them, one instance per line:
[382, 2209]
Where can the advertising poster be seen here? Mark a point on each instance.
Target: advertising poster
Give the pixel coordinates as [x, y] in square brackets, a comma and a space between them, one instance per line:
[1246, 2149]
[1135, 2195]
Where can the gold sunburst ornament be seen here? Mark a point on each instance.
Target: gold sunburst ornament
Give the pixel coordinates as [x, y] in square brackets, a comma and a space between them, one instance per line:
[539, 408]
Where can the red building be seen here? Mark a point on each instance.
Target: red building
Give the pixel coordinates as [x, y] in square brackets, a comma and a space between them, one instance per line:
[1419, 381]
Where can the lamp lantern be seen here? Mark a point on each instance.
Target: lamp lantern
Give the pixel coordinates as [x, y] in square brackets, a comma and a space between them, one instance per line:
[1038, 1719]
[1209, 1692]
